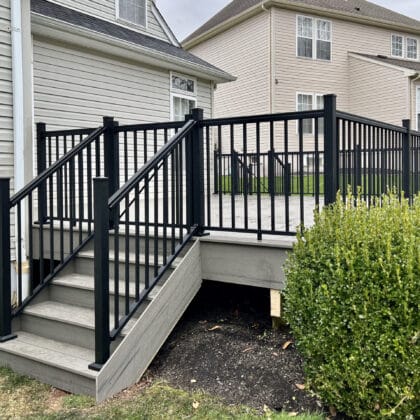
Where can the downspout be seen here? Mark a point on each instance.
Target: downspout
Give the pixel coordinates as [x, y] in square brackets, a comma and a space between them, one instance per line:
[412, 86]
[271, 54]
[18, 110]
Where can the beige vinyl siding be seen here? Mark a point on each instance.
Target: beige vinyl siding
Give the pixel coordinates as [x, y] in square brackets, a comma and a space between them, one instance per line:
[105, 9]
[414, 106]
[243, 51]
[6, 95]
[378, 92]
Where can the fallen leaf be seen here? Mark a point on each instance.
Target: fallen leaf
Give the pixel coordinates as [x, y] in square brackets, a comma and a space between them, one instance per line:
[293, 414]
[217, 327]
[266, 409]
[287, 344]
[193, 381]
[377, 407]
[276, 354]
[333, 411]
[246, 350]
[300, 386]
[196, 404]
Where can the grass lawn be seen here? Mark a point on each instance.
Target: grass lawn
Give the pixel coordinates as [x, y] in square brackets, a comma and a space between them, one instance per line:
[21, 397]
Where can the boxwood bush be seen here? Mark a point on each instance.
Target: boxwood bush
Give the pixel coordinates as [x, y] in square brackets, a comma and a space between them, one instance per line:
[352, 301]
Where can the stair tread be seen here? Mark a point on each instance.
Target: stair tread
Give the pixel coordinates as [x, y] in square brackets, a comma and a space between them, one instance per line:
[86, 282]
[70, 314]
[54, 353]
[132, 257]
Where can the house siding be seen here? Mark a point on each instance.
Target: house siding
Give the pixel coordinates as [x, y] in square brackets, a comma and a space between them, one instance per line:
[105, 9]
[305, 75]
[6, 93]
[243, 51]
[75, 88]
[388, 102]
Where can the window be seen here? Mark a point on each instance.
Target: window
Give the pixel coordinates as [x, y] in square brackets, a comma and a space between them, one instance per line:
[308, 102]
[418, 110]
[133, 11]
[412, 48]
[308, 30]
[397, 46]
[183, 96]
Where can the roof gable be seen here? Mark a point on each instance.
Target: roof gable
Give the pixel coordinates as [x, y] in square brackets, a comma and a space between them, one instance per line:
[356, 8]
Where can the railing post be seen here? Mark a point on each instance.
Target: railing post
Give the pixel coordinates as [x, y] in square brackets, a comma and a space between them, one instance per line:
[197, 184]
[331, 147]
[406, 159]
[111, 159]
[5, 273]
[101, 270]
[41, 154]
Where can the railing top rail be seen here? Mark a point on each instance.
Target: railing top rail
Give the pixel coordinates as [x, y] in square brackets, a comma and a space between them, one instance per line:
[62, 133]
[288, 116]
[119, 195]
[415, 133]
[368, 121]
[149, 126]
[36, 182]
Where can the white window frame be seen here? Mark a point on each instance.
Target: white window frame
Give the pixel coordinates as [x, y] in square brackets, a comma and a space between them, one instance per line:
[417, 108]
[315, 97]
[177, 93]
[314, 38]
[392, 46]
[129, 22]
[417, 49]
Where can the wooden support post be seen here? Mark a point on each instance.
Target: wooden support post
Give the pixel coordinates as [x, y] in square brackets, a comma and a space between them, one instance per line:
[276, 309]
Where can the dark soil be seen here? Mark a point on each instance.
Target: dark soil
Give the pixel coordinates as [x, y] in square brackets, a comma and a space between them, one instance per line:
[225, 345]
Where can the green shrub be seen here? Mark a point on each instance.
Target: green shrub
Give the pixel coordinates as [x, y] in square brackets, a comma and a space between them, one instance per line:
[352, 300]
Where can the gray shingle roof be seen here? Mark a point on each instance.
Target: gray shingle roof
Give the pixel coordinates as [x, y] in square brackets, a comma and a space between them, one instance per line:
[407, 64]
[52, 10]
[355, 7]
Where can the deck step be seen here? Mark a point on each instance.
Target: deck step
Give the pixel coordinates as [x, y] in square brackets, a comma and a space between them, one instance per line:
[67, 323]
[78, 289]
[62, 365]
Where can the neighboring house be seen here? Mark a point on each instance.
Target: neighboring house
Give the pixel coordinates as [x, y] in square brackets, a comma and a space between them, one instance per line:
[77, 61]
[287, 54]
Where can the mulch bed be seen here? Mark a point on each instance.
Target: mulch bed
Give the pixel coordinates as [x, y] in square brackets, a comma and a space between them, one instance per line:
[224, 345]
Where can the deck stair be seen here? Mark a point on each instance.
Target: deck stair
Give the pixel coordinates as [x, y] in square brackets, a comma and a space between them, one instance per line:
[55, 333]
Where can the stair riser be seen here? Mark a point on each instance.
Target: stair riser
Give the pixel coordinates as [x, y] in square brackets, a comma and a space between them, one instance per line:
[60, 331]
[85, 266]
[54, 376]
[81, 297]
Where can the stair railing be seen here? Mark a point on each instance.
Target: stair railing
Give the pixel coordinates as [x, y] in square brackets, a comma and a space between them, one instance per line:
[154, 214]
[48, 221]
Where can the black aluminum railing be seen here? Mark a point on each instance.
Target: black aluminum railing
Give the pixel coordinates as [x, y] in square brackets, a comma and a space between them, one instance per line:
[152, 217]
[48, 210]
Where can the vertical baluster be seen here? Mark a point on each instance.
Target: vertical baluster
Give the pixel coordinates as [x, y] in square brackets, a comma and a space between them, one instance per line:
[51, 220]
[287, 175]
[30, 244]
[221, 175]
[233, 175]
[89, 187]
[246, 178]
[19, 252]
[173, 201]
[60, 211]
[165, 208]
[72, 177]
[81, 195]
[146, 233]
[156, 220]
[208, 176]
[127, 255]
[137, 242]
[301, 174]
[125, 142]
[316, 166]
[259, 209]
[181, 192]
[116, 226]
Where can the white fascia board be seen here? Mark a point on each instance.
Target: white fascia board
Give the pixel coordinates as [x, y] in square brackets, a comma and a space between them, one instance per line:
[406, 72]
[57, 30]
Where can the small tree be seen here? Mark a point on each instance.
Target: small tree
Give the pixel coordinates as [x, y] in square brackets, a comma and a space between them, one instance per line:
[352, 300]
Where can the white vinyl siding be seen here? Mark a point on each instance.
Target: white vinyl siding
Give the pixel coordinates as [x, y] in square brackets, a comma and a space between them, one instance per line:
[397, 46]
[418, 108]
[6, 95]
[106, 9]
[74, 88]
[313, 38]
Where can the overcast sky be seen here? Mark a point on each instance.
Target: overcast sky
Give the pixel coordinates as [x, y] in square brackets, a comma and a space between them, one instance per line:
[186, 15]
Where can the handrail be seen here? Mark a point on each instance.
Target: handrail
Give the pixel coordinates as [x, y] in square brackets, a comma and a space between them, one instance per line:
[150, 126]
[119, 195]
[36, 182]
[264, 118]
[368, 121]
[77, 132]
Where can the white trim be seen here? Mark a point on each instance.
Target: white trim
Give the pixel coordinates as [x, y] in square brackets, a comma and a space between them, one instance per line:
[392, 46]
[417, 48]
[163, 24]
[129, 22]
[417, 108]
[314, 38]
